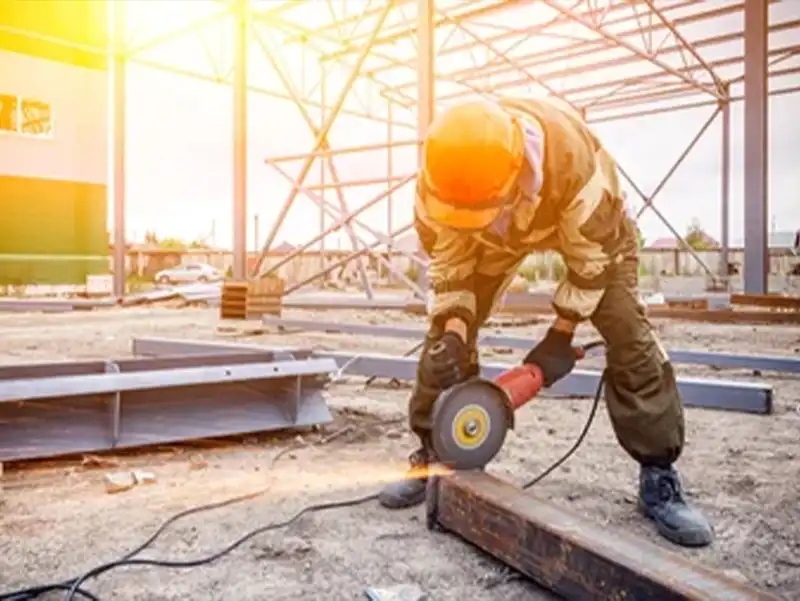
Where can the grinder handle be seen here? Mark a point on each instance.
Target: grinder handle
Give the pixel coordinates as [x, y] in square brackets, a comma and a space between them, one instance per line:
[524, 382]
[521, 383]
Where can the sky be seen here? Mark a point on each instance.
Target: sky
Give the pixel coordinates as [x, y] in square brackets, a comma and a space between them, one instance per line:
[179, 163]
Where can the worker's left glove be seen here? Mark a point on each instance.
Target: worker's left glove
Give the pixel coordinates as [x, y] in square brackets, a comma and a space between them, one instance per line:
[444, 364]
[554, 355]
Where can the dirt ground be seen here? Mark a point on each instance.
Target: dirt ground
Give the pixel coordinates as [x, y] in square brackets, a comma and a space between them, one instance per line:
[56, 521]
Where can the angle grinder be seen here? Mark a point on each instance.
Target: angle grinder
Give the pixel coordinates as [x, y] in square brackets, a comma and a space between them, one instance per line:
[471, 419]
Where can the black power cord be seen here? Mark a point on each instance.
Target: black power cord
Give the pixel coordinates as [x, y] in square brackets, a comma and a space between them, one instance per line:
[73, 586]
[578, 441]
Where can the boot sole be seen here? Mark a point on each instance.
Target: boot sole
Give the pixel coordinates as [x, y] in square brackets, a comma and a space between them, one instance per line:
[684, 538]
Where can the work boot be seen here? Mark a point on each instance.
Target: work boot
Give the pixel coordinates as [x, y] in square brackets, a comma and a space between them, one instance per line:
[661, 499]
[411, 490]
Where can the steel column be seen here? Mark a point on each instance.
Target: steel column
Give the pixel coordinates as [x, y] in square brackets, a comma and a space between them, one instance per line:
[240, 36]
[389, 175]
[756, 211]
[426, 69]
[725, 187]
[117, 107]
[323, 99]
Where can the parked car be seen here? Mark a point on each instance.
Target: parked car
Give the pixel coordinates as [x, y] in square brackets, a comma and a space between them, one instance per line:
[190, 273]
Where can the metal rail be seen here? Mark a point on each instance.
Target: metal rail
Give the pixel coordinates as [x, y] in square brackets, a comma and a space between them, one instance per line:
[77, 407]
[706, 393]
[754, 362]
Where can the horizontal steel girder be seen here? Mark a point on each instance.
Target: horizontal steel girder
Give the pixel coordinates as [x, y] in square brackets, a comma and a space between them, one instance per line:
[705, 393]
[55, 409]
[567, 553]
[754, 362]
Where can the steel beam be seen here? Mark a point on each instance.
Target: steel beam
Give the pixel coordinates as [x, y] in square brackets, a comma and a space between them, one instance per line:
[239, 88]
[711, 394]
[725, 188]
[118, 102]
[77, 407]
[745, 397]
[754, 362]
[30, 389]
[52, 305]
[567, 553]
[756, 211]
[426, 69]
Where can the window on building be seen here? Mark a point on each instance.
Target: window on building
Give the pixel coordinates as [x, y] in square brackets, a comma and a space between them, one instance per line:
[35, 118]
[8, 113]
[25, 116]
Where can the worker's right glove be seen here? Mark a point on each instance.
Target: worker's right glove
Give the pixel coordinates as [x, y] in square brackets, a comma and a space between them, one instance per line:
[445, 362]
[554, 355]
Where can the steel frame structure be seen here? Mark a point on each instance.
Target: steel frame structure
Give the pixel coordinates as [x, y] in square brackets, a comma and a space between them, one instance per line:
[565, 44]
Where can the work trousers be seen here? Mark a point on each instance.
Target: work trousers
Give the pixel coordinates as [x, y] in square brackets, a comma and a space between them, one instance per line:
[641, 391]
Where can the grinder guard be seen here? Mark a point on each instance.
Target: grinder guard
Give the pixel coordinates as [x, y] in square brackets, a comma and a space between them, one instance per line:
[470, 422]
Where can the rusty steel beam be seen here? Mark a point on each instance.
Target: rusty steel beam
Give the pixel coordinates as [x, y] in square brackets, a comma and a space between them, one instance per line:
[567, 553]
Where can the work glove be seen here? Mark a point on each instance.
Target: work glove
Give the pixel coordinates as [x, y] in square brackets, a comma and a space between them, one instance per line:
[445, 362]
[554, 355]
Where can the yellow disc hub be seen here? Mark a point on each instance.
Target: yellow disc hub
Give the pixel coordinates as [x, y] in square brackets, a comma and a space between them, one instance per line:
[471, 427]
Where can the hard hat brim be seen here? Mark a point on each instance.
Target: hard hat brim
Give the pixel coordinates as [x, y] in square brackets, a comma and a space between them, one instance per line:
[459, 218]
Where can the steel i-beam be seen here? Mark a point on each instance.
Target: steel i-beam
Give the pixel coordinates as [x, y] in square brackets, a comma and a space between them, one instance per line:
[78, 407]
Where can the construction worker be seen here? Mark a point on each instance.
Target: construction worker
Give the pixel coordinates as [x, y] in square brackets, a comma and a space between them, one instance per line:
[502, 180]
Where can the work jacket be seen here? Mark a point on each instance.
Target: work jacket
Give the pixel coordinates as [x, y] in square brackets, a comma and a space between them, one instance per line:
[568, 200]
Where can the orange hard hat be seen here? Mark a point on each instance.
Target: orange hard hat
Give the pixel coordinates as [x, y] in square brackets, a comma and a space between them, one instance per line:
[472, 156]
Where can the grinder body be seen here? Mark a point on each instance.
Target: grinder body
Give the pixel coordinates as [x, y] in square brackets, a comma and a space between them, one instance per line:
[471, 419]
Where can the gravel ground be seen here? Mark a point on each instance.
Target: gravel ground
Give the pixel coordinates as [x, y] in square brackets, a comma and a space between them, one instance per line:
[56, 519]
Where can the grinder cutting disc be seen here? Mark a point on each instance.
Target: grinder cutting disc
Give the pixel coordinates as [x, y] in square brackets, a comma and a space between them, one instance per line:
[470, 421]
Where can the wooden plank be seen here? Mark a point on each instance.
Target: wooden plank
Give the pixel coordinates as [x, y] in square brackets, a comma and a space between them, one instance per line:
[770, 301]
[567, 553]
